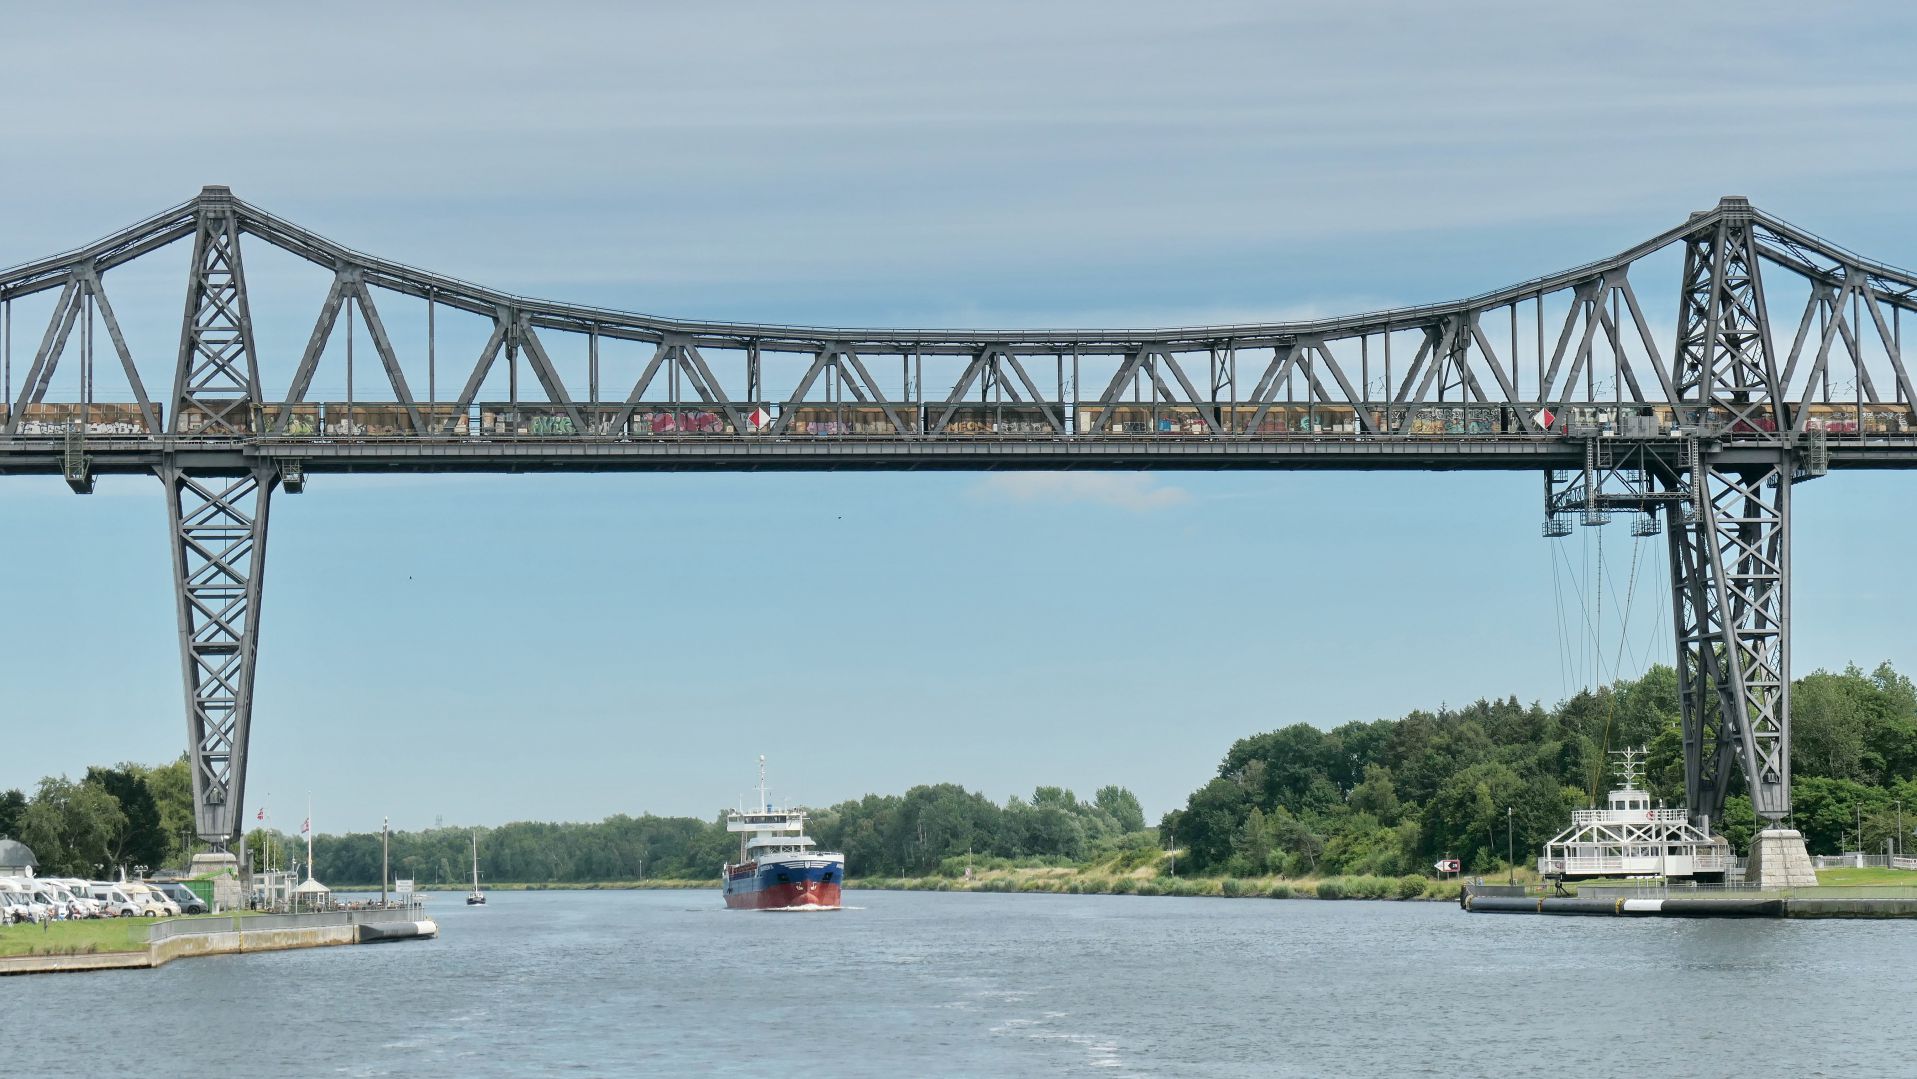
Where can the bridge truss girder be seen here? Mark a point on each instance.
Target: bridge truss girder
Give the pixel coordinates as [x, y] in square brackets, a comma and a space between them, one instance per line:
[1521, 372]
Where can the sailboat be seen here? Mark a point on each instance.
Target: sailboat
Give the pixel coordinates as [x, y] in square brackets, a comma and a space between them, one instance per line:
[477, 898]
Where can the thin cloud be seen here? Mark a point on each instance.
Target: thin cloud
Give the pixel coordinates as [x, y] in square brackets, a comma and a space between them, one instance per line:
[1135, 492]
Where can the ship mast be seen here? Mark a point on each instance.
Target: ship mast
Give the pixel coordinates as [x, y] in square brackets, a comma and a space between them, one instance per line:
[764, 806]
[1632, 766]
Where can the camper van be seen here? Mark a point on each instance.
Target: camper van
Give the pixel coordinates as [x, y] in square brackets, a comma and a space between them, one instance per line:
[114, 899]
[155, 901]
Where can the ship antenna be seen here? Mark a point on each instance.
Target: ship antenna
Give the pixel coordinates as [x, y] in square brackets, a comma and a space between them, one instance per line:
[1632, 766]
[764, 806]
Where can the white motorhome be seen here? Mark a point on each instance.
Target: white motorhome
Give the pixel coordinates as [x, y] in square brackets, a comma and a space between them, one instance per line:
[18, 903]
[114, 899]
[88, 906]
[155, 901]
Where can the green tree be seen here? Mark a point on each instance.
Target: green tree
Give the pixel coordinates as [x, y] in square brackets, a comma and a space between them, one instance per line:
[1376, 795]
[140, 839]
[1123, 807]
[72, 828]
[172, 788]
[13, 806]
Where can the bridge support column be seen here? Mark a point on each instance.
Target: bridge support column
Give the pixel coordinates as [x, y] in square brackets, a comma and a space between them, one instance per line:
[1730, 542]
[1730, 595]
[218, 529]
[217, 518]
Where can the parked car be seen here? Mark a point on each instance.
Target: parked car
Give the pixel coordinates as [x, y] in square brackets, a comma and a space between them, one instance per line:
[180, 894]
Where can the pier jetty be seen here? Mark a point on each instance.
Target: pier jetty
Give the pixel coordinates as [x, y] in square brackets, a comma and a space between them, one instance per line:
[1658, 901]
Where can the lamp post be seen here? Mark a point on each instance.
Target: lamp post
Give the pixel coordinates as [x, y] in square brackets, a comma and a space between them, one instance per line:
[1900, 829]
[385, 862]
[1510, 857]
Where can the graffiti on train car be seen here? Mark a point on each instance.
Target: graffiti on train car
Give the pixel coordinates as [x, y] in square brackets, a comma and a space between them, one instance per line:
[110, 418]
[680, 422]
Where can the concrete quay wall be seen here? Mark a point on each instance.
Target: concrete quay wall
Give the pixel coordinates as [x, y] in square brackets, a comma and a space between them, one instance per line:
[1729, 905]
[227, 940]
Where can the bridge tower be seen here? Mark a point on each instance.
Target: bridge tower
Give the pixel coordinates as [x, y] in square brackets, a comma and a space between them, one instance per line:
[1730, 546]
[217, 513]
[1730, 540]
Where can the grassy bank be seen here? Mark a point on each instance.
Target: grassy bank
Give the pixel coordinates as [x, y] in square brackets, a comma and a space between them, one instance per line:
[92, 936]
[75, 938]
[1066, 881]
[1145, 873]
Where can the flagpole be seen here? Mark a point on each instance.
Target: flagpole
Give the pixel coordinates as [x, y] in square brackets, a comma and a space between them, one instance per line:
[309, 835]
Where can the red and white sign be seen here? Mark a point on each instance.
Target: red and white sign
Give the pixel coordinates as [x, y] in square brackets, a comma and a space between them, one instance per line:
[759, 419]
[1447, 865]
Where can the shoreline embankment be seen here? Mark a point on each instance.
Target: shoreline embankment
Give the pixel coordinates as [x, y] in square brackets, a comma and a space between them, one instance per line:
[1062, 881]
[239, 934]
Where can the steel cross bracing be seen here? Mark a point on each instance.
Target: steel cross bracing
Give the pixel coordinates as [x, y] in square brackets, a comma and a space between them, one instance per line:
[1563, 373]
[219, 560]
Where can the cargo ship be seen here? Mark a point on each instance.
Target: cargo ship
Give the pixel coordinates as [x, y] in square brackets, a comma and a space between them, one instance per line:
[777, 867]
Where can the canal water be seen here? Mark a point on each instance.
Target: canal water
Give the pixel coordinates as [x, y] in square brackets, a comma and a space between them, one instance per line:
[664, 983]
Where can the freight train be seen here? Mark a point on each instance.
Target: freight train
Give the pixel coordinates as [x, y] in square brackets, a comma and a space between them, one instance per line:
[668, 420]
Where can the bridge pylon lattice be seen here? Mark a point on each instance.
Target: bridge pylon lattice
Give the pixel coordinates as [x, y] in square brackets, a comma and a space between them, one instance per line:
[218, 530]
[1730, 555]
[215, 387]
[217, 519]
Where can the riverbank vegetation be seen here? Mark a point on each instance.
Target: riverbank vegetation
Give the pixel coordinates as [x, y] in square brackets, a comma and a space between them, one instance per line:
[1300, 808]
[124, 815]
[1393, 796]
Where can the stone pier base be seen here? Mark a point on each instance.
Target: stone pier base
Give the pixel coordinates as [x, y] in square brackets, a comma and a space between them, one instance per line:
[223, 867]
[1779, 860]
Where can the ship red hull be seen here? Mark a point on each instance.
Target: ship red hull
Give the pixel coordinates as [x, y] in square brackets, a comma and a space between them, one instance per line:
[808, 893]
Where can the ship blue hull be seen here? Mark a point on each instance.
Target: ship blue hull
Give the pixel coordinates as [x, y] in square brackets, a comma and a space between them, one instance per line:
[781, 885]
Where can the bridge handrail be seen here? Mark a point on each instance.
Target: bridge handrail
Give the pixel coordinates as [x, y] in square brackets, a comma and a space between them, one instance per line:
[124, 245]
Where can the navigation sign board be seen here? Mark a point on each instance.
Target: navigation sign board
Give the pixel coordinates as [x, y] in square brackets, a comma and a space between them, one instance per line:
[1447, 865]
[403, 886]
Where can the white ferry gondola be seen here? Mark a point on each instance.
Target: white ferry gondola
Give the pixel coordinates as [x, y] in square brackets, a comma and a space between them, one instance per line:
[1629, 838]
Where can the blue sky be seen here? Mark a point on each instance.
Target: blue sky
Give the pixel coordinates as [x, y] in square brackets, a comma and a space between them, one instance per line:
[492, 648]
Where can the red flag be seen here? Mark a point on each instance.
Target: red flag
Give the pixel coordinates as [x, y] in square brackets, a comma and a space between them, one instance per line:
[261, 815]
[306, 825]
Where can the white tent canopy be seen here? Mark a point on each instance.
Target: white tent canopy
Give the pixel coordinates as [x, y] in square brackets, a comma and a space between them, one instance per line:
[312, 887]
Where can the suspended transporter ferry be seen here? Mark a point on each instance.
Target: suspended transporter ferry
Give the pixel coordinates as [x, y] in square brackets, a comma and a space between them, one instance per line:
[777, 867]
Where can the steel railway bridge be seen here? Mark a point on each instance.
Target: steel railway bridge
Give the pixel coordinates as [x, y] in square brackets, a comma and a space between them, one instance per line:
[1567, 375]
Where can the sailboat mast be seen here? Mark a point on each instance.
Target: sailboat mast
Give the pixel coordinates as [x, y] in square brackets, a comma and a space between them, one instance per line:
[475, 862]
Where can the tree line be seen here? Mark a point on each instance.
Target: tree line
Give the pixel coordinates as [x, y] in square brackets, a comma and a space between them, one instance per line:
[130, 815]
[1383, 798]
[880, 834]
[115, 817]
[1393, 796]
